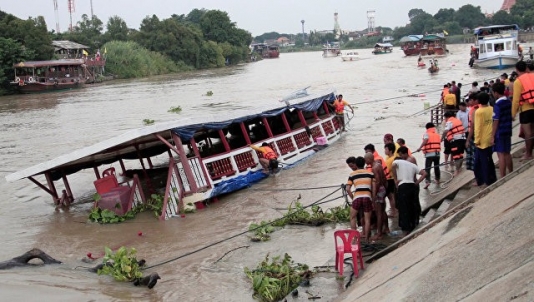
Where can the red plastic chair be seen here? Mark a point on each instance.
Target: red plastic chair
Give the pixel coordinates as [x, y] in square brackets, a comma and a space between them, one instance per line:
[344, 244]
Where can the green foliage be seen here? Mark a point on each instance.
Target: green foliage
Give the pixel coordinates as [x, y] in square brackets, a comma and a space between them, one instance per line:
[261, 231]
[176, 109]
[297, 214]
[209, 93]
[154, 204]
[147, 122]
[130, 60]
[122, 265]
[11, 52]
[272, 281]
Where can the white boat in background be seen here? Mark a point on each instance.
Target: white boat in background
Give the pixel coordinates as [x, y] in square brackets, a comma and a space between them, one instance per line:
[331, 50]
[495, 47]
[350, 56]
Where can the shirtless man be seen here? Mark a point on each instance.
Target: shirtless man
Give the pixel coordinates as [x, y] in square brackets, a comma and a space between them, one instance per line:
[380, 200]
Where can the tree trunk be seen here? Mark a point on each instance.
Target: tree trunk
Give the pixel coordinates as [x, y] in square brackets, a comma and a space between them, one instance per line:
[23, 259]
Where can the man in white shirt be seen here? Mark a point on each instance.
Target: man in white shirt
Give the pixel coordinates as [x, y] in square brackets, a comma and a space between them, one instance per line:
[407, 202]
[463, 115]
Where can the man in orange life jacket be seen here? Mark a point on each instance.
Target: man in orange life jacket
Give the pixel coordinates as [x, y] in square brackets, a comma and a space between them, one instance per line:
[431, 146]
[339, 107]
[269, 161]
[523, 103]
[454, 136]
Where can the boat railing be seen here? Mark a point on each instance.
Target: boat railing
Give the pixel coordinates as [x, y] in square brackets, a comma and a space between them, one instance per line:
[174, 191]
[287, 145]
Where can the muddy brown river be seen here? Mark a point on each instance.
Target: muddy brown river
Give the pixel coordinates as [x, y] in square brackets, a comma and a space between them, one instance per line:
[37, 128]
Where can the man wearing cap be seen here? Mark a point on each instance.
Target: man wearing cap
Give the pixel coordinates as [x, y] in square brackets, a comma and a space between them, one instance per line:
[523, 103]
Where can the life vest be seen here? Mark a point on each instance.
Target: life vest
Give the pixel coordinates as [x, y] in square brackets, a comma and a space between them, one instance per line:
[444, 92]
[268, 153]
[339, 106]
[457, 128]
[434, 141]
[527, 94]
[382, 162]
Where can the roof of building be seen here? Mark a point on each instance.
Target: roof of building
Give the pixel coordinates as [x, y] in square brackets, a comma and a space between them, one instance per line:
[68, 45]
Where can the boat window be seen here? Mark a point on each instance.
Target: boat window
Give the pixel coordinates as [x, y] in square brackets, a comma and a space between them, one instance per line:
[498, 46]
[509, 45]
[515, 45]
[321, 112]
[256, 130]
[235, 136]
[482, 48]
[293, 119]
[276, 124]
[209, 143]
[488, 47]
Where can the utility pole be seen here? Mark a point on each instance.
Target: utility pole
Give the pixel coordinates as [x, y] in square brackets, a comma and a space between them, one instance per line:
[57, 16]
[371, 21]
[92, 10]
[303, 39]
[71, 10]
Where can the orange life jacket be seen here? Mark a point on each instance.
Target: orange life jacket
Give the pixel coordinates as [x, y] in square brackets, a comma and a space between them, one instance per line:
[527, 94]
[434, 141]
[457, 127]
[269, 153]
[339, 106]
[383, 163]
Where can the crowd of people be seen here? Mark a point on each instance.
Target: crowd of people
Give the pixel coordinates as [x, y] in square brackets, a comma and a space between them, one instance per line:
[472, 130]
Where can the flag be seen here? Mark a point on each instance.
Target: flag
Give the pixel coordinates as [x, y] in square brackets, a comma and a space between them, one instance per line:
[85, 53]
[445, 32]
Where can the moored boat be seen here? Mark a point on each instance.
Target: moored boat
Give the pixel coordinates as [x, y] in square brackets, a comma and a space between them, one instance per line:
[40, 76]
[496, 46]
[200, 160]
[382, 48]
[350, 56]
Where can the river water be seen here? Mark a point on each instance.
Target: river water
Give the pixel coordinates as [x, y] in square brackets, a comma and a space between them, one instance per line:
[36, 128]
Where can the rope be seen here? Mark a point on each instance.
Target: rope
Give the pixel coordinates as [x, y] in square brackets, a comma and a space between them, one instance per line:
[297, 189]
[239, 234]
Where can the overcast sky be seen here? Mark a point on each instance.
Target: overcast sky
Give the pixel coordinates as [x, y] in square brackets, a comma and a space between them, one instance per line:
[257, 17]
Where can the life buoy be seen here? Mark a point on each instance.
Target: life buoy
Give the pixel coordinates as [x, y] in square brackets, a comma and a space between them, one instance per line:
[31, 80]
[17, 79]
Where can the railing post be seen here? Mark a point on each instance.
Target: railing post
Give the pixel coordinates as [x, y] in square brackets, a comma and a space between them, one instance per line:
[185, 163]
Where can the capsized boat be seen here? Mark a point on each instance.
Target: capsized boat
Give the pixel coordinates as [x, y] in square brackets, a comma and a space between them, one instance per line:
[496, 46]
[202, 160]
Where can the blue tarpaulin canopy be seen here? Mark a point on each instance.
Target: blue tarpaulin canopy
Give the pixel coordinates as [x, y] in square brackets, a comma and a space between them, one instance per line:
[187, 132]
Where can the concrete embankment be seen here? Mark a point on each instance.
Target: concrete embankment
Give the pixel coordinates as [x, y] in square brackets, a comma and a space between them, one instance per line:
[481, 250]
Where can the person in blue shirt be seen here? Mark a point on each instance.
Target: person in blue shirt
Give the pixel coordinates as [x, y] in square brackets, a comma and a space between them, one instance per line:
[502, 128]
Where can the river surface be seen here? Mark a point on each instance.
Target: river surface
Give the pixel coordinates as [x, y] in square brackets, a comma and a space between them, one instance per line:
[37, 128]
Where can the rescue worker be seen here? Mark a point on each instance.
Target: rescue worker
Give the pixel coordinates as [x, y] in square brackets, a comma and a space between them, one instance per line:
[269, 161]
[431, 147]
[523, 102]
[339, 108]
[454, 136]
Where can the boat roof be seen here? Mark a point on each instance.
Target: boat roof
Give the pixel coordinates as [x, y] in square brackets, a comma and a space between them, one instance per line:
[433, 38]
[143, 141]
[411, 38]
[62, 62]
[480, 29]
[383, 45]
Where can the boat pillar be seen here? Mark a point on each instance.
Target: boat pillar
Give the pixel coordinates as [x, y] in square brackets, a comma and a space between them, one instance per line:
[245, 133]
[51, 188]
[301, 118]
[286, 123]
[267, 127]
[185, 163]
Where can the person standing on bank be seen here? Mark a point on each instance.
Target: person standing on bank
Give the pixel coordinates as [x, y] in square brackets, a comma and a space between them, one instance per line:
[523, 103]
[502, 129]
[484, 166]
[454, 137]
[269, 161]
[431, 146]
[365, 192]
[404, 174]
[339, 108]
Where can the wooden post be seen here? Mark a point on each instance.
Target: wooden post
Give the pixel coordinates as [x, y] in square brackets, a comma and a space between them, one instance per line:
[97, 173]
[325, 106]
[286, 123]
[224, 141]
[302, 119]
[197, 154]
[245, 133]
[52, 187]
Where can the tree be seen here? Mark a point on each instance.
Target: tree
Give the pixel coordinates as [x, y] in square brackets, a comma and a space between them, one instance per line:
[116, 29]
[523, 13]
[11, 52]
[423, 23]
[470, 16]
[444, 15]
[414, 12]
